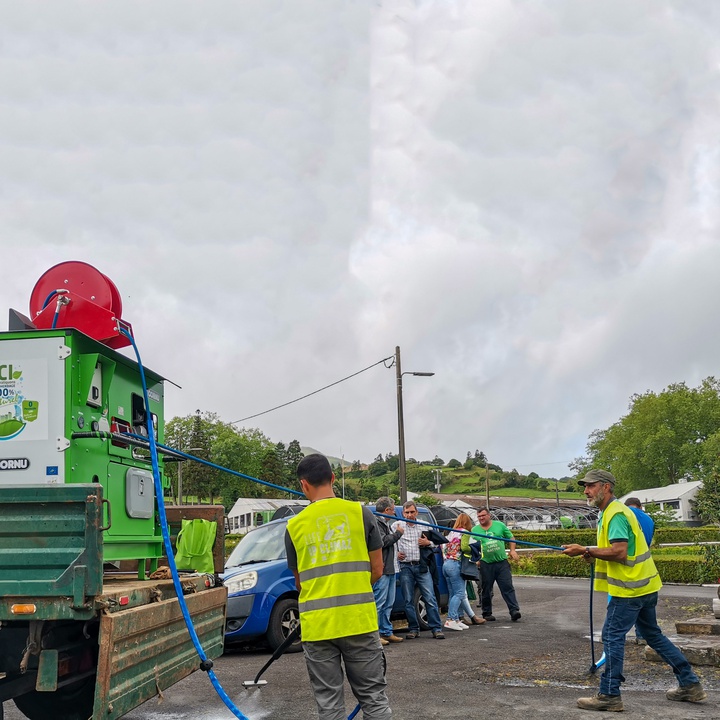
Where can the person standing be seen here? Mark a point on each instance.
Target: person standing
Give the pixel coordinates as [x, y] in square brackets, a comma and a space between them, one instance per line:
[335, 552]
[494, 565]
[414, 573]
[647, 524]
[624, 568]
[459, 605]
[384, 587]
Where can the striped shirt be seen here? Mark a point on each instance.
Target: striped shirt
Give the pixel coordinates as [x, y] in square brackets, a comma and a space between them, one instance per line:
[408, 543]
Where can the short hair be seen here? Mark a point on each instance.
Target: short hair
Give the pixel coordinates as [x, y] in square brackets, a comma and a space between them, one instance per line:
[384, 503]
[408, 504]
[483, 509]
[315, 469]
[633, 502]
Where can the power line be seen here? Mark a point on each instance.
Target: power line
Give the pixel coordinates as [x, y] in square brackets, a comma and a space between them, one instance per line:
[315, 392]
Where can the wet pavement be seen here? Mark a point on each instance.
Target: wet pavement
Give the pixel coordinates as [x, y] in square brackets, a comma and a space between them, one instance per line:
[535, 668]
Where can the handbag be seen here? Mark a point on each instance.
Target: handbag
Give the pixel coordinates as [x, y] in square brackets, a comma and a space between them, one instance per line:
[468, 569]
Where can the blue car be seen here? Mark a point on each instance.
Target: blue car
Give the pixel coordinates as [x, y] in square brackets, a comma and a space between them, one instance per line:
[262, 597]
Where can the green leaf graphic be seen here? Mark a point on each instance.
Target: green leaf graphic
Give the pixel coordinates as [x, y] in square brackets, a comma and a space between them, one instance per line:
[17, 374]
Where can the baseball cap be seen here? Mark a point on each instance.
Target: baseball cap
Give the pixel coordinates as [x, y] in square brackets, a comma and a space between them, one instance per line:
[596, 476]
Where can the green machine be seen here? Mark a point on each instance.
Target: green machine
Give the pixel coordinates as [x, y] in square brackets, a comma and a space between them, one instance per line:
[67, 396]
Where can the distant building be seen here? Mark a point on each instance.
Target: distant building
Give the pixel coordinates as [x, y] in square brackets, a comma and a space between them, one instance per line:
[248, 513]
[678, 497]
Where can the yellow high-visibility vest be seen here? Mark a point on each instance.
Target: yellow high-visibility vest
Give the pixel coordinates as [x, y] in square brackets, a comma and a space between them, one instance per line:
[637, 574]
[336, 597]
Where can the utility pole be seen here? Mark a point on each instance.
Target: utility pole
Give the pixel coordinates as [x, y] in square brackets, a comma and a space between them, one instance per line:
[438, 475]
[402, 474]
[487, 484]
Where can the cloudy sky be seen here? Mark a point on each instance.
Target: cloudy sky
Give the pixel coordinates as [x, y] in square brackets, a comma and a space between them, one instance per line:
[521, 195]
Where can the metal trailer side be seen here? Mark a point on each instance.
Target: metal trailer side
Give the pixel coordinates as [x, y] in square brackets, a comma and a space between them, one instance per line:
[74, 643]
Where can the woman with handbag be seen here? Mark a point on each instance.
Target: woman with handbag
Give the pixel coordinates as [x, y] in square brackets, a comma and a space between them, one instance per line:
[459, 604]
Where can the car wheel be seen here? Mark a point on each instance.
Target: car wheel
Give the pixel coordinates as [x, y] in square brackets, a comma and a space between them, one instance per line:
[420, 610]
[284, 618]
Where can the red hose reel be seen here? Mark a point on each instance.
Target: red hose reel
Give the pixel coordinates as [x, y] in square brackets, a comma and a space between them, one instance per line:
[83, 298]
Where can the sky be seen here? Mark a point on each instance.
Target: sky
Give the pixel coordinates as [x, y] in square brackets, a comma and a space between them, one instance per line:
[522, 196]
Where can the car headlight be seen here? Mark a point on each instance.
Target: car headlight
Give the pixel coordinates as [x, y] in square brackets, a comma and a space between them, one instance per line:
[243, 581]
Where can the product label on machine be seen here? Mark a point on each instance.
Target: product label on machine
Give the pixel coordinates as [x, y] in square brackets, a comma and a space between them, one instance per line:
[23, 399]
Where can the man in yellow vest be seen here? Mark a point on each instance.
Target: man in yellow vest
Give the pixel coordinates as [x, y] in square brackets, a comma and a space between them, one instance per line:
[334, 549]
[624, 568]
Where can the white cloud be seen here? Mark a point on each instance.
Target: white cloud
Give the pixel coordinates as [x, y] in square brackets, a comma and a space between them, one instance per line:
[523, 196]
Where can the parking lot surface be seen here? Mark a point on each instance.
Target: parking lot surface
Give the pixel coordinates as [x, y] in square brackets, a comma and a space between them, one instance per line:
[535, 668]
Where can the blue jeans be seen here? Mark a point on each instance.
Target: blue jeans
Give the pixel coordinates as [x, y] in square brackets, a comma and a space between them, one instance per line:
[456, 585]
[384, 591]
[410, 577]
[622, 614]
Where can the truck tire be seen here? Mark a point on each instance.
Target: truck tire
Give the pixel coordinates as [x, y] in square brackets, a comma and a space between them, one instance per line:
[72, 702]
[285, 617]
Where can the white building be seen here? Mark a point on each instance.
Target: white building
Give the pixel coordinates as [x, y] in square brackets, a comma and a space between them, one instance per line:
[243, 515]
[677, 497]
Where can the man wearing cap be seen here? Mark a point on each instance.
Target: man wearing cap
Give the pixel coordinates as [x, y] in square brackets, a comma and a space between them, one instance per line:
[625, 569]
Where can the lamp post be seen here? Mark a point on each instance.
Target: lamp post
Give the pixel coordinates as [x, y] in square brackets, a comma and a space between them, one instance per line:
[401, 424]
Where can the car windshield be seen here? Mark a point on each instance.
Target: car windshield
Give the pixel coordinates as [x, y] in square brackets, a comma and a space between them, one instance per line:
[260, 545]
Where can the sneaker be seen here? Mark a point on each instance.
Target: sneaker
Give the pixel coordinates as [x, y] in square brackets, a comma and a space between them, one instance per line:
[384, 642]
[687, 693]
[515, 616]
[489, 618]
[611, 703]
[463, 625]
[452, 625]
[438, 635]
[393, 638]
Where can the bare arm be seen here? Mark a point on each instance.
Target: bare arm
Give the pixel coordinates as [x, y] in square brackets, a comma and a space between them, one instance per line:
[617, 552]
[376, 566]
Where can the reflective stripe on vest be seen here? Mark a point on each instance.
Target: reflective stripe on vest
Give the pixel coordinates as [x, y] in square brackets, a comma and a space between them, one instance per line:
[636, 575]
[333, 563]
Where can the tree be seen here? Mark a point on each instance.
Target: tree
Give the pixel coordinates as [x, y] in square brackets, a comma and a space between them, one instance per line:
[272, 469]
[662, 517]
[425, 499]
[392, 462]
[453, 463]
[660, 440]
[542, 483]
[377, 467]
[420, 479]
[292, 457]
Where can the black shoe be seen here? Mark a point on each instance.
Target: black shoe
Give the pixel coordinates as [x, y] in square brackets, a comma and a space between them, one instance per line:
[489, 618]
[515, 616]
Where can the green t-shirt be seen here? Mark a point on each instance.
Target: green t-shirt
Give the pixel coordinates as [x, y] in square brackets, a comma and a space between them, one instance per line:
[493, 550]
[619, 530]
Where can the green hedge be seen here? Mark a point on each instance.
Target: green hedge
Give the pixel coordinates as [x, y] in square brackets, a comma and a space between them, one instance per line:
[588, 536]
[686, 569]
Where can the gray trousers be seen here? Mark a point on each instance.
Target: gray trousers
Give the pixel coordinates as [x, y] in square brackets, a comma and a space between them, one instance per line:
[364, 663]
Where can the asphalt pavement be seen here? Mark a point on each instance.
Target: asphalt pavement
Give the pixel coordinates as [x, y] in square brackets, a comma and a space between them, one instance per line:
[535, 668]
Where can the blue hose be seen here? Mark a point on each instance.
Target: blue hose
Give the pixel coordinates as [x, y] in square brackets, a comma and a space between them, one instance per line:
[205, 663]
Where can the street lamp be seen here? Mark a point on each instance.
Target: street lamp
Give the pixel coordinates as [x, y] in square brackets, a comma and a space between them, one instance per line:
[401, 424]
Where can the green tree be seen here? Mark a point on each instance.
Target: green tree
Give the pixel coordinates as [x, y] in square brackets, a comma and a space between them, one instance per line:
[420, 479]
[426, 499]
[291, 459]
[542, 483]
[660, 440]
[662, 517]
[272, 469]
[205, 436]
[453, 463]
[377, 467]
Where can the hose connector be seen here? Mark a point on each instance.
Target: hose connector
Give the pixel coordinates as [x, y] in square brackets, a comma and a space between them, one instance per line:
[206, 665]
